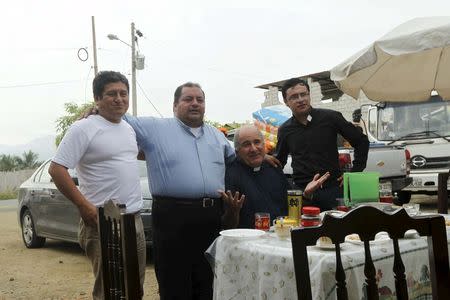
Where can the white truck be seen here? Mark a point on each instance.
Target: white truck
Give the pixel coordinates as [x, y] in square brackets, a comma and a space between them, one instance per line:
[423, 128]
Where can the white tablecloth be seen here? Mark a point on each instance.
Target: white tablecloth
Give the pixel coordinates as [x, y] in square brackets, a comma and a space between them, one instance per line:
[262, 268]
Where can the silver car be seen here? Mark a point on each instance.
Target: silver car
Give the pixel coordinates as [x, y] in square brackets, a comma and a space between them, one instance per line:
[43, 212]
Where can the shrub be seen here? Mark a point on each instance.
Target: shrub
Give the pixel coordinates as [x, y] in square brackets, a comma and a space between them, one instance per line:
[8, 194]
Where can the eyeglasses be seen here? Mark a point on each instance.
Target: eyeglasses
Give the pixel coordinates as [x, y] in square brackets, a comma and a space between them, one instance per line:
[298, 96]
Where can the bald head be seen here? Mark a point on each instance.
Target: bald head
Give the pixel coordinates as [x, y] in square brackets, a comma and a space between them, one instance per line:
[246, 129]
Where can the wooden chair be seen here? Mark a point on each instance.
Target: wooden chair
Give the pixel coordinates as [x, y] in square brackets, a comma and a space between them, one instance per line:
[368, 221]
[118, 252]
[442, 201]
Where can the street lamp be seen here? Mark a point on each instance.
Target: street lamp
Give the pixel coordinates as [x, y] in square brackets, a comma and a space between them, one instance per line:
[115, 37]
[133, 65]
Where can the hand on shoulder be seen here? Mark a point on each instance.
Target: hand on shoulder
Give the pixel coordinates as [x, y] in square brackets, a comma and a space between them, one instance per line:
[273, 161]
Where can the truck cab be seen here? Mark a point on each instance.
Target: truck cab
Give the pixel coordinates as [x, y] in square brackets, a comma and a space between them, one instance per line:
[423, 128]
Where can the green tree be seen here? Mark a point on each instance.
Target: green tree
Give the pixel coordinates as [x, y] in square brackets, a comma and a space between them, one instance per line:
[74, 112]
[8, 163]
[213, 123]
[29, 160]
[13, 162]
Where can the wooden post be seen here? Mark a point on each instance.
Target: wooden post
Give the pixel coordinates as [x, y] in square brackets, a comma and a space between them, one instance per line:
[442, 202]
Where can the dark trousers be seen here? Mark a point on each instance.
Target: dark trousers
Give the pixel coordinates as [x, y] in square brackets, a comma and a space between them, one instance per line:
[325, 198]
[181, 235]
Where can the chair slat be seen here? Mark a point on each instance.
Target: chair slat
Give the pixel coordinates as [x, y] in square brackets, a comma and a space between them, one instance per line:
[341, 285]
[399, 273]
[370, 272]
[119, 252]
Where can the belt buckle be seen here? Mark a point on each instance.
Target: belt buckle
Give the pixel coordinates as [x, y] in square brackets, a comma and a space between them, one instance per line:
[208, 202]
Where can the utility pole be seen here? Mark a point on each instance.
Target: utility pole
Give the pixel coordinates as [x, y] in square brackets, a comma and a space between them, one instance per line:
[133, 71]
[94, 46]
[133, 65]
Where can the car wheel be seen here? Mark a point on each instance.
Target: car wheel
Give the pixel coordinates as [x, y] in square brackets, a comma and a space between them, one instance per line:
[29, 236]
[403, 197]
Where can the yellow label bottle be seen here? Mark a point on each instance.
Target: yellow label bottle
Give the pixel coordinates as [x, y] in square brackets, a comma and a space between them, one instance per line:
[294, 198]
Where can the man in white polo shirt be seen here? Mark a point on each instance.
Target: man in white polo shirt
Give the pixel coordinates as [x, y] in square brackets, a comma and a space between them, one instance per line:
[103, 150]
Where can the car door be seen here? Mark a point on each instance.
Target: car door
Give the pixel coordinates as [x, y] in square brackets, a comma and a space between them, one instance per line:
[61, 214]
[46, 191]
[38, 202]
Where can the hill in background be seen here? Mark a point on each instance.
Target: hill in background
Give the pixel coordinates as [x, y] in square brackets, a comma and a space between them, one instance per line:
[43, 146]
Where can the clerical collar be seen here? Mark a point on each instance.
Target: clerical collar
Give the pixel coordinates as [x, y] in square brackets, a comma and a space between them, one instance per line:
[255, 169]
[308, 120]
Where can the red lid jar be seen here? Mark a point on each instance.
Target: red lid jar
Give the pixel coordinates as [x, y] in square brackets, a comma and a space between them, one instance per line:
[310, 216]
[311, 211]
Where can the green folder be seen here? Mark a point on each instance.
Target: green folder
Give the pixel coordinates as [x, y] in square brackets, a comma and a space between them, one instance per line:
[361, 187]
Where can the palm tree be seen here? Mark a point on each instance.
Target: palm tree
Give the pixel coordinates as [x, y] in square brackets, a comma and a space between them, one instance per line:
[13, 162]
[29, 160]
[8, 163]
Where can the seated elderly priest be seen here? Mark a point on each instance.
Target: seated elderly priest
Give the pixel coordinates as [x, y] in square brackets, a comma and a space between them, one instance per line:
[264, 186]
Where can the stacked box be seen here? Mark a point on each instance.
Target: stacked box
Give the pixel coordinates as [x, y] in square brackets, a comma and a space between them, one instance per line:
[268, 119]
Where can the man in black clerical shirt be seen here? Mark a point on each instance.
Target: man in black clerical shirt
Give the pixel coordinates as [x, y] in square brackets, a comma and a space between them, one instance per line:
[310, 137]
[263, 185]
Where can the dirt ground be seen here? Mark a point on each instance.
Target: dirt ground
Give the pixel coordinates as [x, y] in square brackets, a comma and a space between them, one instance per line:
[57, 271]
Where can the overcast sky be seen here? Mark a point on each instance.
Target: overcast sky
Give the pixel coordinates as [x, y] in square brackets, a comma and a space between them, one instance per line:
[229, 47]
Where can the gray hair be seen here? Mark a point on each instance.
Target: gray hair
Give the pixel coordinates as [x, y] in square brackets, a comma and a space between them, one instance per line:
[237, 145]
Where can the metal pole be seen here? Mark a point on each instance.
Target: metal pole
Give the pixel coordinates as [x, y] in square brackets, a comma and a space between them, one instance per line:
[94, 46]
[133, 72]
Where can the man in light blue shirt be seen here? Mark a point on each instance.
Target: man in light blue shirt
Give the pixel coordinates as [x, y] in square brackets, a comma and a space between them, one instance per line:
[182, 161]
[186, 169]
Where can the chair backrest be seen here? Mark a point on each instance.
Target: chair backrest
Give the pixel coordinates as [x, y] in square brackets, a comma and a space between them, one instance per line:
[367, 222]
[118, 252]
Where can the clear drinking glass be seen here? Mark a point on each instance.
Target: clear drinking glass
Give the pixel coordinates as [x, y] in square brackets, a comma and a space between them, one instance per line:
[413, 209]
[283, 226]
[262, 221]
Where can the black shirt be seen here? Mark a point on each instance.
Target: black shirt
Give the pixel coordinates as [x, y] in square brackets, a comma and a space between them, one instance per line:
[265, 190]
[313, 146]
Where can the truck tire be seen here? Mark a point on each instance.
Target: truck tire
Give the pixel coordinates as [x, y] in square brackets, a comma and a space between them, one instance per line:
[402, 198]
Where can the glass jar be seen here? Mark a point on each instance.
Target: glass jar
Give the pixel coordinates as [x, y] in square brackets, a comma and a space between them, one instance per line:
[310, 216]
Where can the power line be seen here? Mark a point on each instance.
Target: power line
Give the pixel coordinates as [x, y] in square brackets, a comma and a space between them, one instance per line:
[46, 49]
[142, 90]
[182, 63]
[37, 84]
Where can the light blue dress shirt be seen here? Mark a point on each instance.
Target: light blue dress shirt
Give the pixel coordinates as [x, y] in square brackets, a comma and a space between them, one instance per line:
[179, 164]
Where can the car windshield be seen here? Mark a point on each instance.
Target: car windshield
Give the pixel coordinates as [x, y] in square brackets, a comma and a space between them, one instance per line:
[409, 121]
